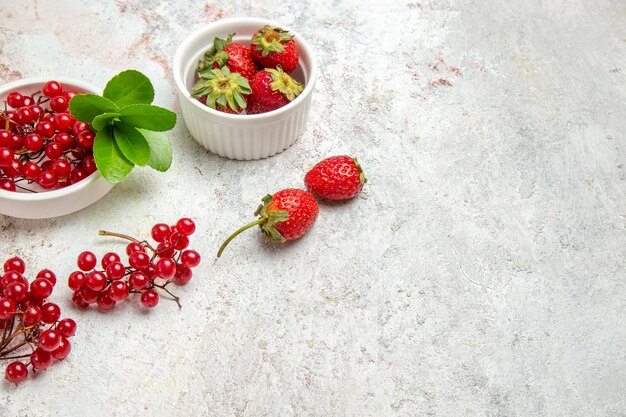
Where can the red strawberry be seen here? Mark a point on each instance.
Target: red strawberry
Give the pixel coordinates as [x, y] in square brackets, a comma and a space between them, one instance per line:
[222, 90]
[272, 47]
[286, 215]
[272, 89]
[336, 178]
[226, 53]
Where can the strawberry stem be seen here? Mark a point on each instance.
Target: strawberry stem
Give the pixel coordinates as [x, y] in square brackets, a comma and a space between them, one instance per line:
[241, 229]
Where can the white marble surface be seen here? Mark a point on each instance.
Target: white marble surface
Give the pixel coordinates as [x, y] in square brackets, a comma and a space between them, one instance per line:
[481, 273]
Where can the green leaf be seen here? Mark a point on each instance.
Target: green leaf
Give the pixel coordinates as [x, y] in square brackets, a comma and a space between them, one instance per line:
[105, 119]
[85, 107]
[148, 117]
[160, 150]
[132, 144]
[129, 87]
[110, 160]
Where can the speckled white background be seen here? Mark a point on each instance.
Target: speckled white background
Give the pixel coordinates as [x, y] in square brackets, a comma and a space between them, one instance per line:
[481, 273]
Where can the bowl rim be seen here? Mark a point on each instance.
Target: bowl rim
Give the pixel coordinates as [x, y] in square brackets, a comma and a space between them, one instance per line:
[184, 45]
[70, 189]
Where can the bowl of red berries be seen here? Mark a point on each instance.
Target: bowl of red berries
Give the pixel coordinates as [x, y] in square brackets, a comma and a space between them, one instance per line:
[245, 86]
[47, 167]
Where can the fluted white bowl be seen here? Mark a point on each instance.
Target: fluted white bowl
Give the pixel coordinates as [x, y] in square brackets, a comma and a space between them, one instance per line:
[242, 136]
[54, 203]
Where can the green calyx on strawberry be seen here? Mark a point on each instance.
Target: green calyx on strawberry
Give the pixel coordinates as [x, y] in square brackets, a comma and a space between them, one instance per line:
[223, 89]
[286, 215]
[269, 39]
[272, 89]
[336, 178]
[215, 54]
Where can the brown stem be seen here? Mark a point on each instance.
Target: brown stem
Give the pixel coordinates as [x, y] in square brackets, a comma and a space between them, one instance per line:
[174, 297]
[123, 236]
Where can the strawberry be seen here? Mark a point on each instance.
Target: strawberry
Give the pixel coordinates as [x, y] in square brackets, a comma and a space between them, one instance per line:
[226, 53]
[272, 89]
[272, 47]
[286, 215]
[222, 90]
[336, 178]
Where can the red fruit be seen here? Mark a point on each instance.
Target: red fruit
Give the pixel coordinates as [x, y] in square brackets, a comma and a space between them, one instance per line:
[224, 90]
[16, 372]
[190, 258]
[336, 178]
[63, 350]
[286, 215]
[7, 308]
[14, 99]
[41, 359]
[49, 340]
[150, 298]
[40, 289]
[77, 280]
[272, 89]
[67, 327]
[226, 53]
[47, 274]
[14, 264]
[272, 47]
[52, 89]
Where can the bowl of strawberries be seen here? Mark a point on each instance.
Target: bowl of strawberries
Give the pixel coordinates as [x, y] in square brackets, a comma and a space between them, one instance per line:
[245, 86]
[47, 168]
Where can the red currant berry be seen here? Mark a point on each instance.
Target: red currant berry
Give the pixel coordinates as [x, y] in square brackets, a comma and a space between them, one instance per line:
[65, 140]
[12, 276]
[183, 275]
[63, 122]
[79, 127]
[50, 313]
[49, 340]
[54, 150]
[46, 165]
[115, 271]
[67, 327]
[5, 137]
[138, 281]
[166, 268]
[31, 170]
[178, 241]
[7, 308]
[40, 289]
[77, 175]
[33, 142]
[58, 104]
[37, 112]
[76, 280]
[61, 168]
[77, 299]
[96, 281]
[85, 139]
[89, 296]
[16, 291]
[27, 101]
[7, 156]
[68, 95]
[190, 258]
[16, 372]
[186, 226]
[164, 250]
[49, 275]
[47, 180]
[150, 272]
[32, 316]
[63, 350]
[7, 184]
[118, 291]
[17, 142]
[24, 116]
[86, 261]
[15, 264]
[40, 359]
[105, 302]
[52, 89]
[89, 165]
[108, 258]
[45, 129]
[14, 99]
[139, 260]
[150, 298]
[134, 247]
[14, 170]
[160, 232]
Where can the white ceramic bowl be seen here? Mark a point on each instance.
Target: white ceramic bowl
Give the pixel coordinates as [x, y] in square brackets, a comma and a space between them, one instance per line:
[53, 203]
[237, 136]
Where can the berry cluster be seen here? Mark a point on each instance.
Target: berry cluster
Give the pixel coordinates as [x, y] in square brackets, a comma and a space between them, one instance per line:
[234, 77]
[145, 274]
[27, 321]
[41, 142]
